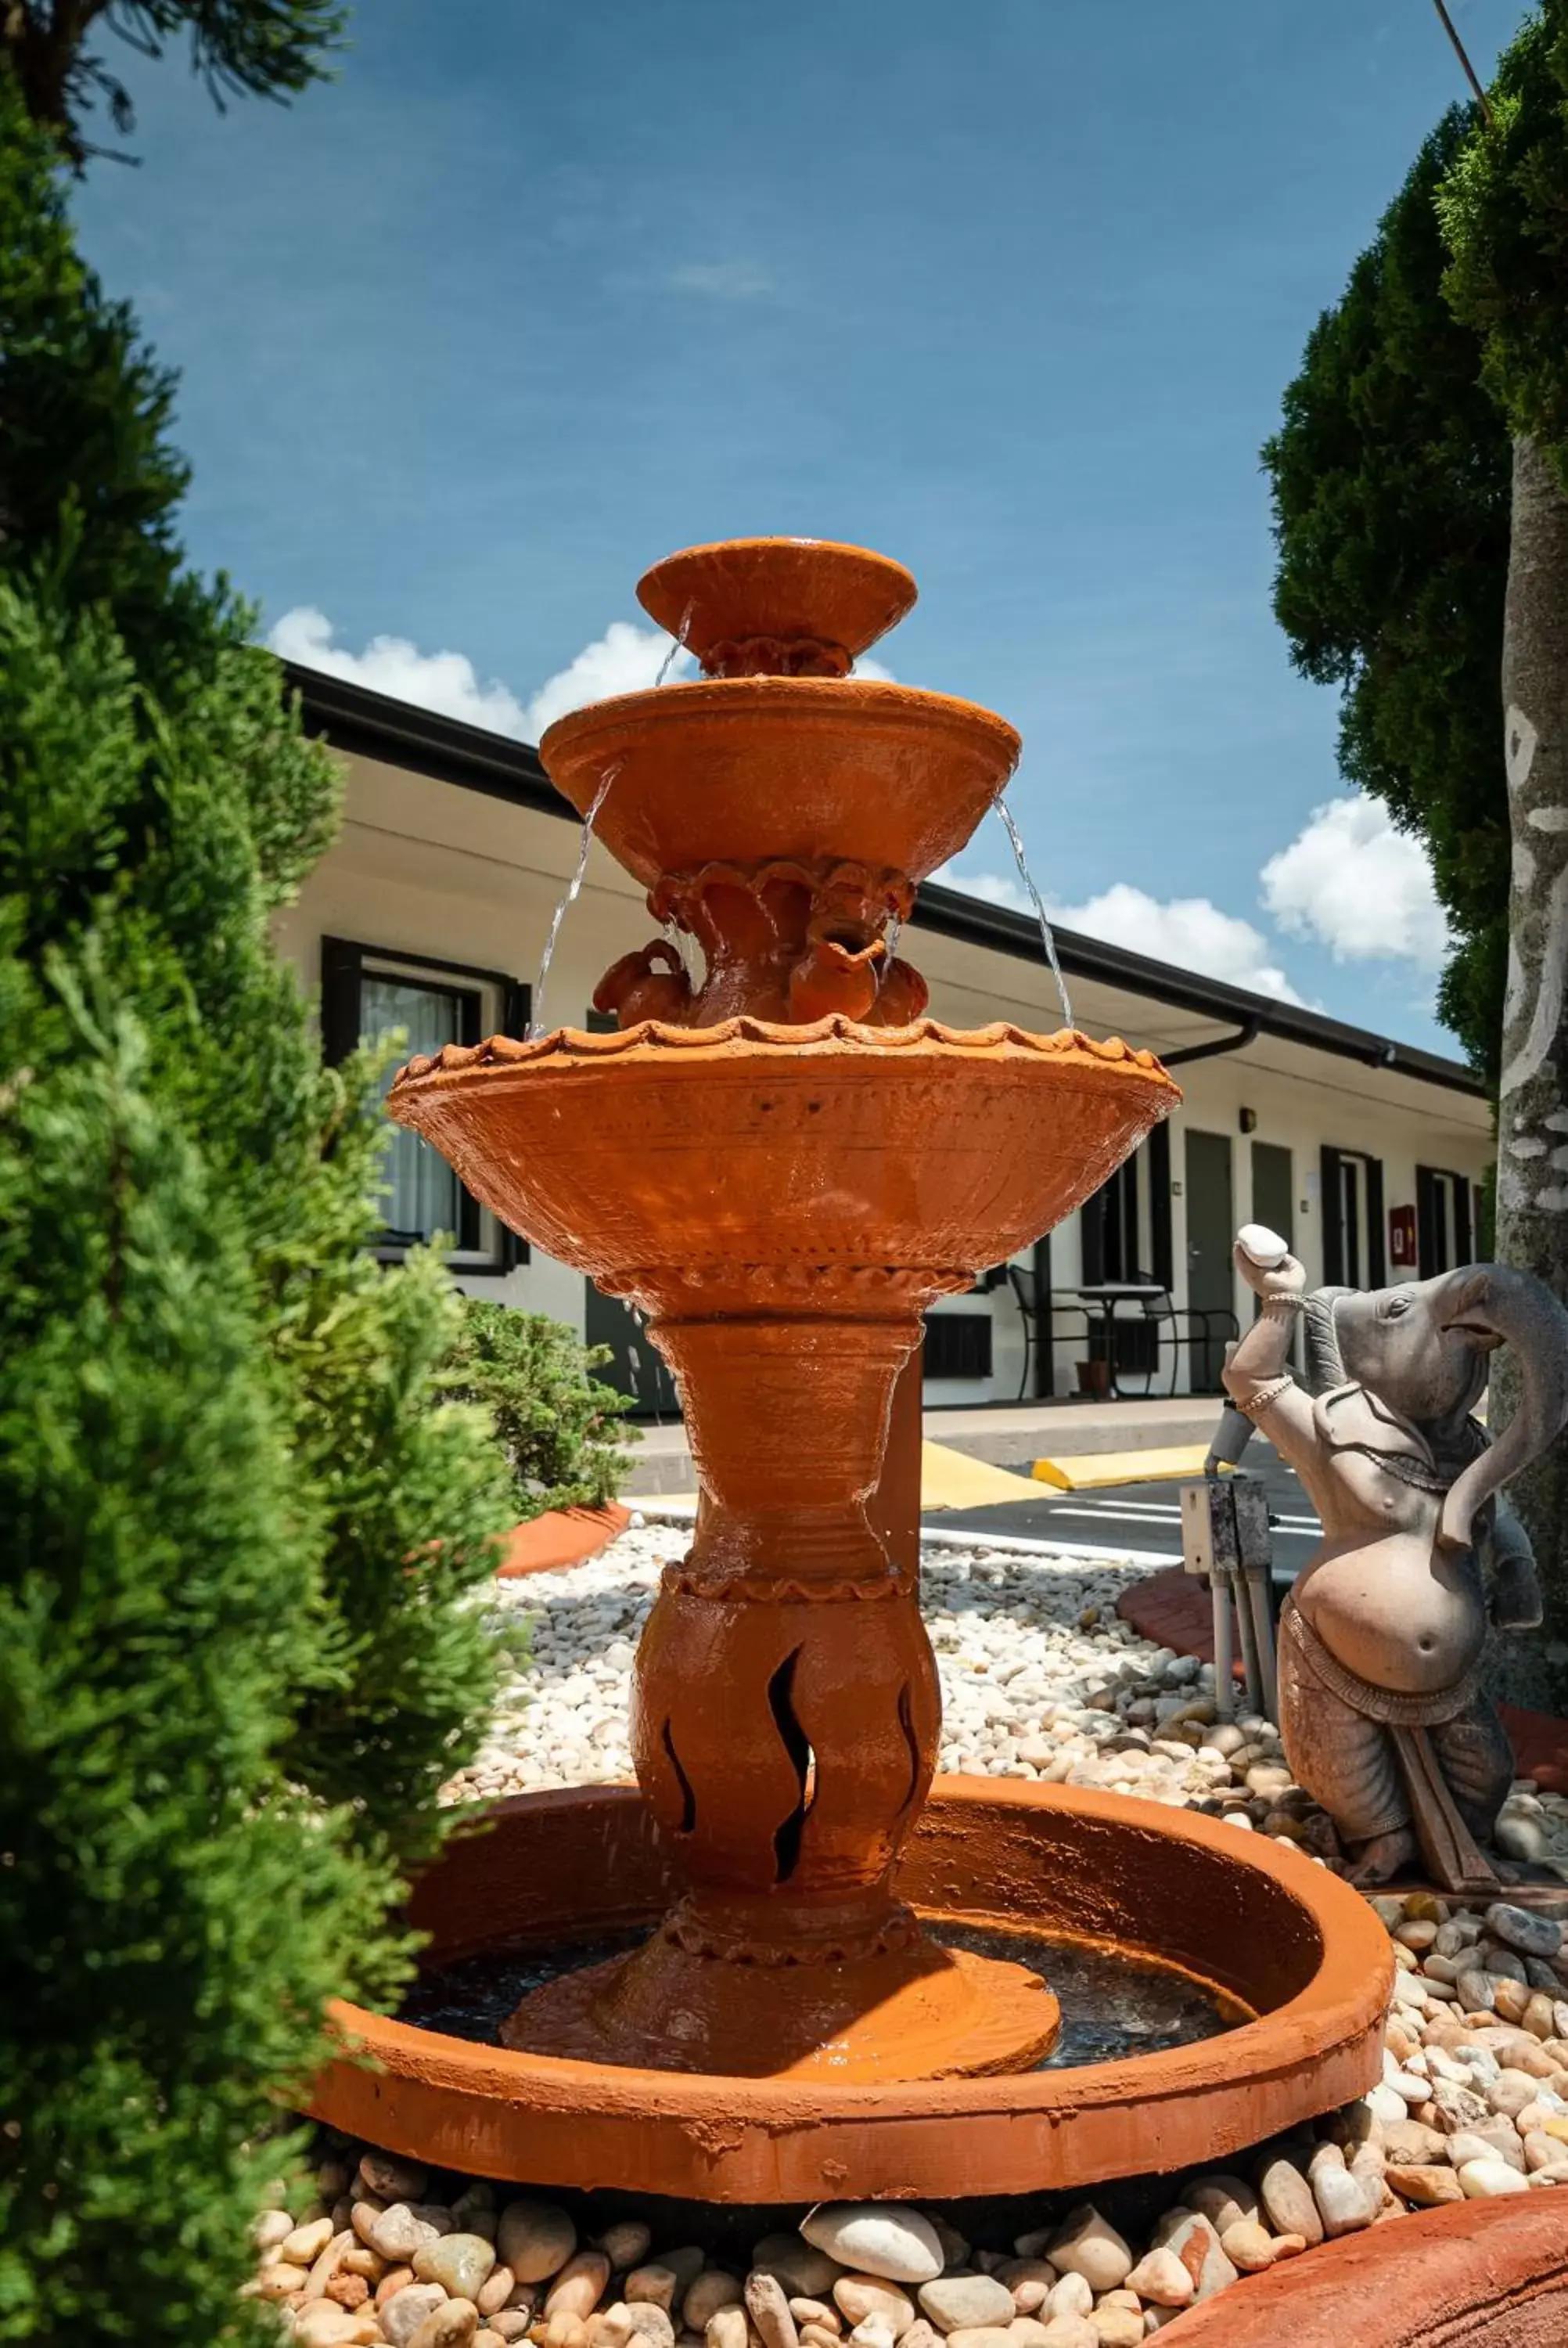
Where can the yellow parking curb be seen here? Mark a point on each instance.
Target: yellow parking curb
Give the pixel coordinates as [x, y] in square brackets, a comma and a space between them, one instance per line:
[1095, 1468]
[948, 1479]
[951, 1479]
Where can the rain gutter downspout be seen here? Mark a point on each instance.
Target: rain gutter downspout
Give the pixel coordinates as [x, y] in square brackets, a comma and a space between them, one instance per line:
[1248, 1033]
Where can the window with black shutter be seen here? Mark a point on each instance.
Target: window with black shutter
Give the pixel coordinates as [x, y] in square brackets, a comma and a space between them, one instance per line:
[1110, 1225]
[369, 992]
[958, 1345]
[1354, 1243]
[1444, 1220]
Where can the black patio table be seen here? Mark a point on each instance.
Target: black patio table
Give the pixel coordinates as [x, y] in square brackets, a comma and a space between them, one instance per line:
[1099, 1300]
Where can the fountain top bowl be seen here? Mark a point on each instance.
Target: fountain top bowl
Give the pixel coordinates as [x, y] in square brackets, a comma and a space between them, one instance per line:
[781, 591]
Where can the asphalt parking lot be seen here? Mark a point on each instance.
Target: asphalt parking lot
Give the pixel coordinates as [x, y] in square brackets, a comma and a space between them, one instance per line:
[1143, 1519]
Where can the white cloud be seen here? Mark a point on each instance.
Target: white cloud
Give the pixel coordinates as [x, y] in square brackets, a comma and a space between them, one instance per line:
[866, 667]
[1365, 889]
[991, 887]
[722, 281]
[625, 659]
[1189, 933]
[442, 680]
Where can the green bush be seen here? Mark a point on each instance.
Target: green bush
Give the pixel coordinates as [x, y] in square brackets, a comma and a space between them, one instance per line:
[558, 1425]
[173, 1912]
[241, 1517]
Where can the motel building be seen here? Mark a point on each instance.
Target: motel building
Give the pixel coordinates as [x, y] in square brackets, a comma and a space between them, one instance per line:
[430, 914]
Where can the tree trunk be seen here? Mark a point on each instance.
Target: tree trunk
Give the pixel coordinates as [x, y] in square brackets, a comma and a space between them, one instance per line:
[1533, 1103]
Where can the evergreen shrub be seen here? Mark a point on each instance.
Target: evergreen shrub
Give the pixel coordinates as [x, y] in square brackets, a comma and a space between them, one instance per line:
[559, 1425]
[243, 1525]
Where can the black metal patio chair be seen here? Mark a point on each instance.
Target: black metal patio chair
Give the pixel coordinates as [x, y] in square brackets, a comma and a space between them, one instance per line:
[1155, 1324]
[1025, 1282]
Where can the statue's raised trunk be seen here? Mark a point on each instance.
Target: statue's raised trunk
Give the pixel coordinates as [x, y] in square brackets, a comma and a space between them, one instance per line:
[1495, 1303]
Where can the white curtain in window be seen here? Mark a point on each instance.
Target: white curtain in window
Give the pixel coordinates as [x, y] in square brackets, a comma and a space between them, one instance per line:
[422, 1187]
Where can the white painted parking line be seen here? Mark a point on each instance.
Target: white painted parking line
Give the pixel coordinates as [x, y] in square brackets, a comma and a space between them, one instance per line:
[1104, 1516]
[954, 1537]
[1139, 1508]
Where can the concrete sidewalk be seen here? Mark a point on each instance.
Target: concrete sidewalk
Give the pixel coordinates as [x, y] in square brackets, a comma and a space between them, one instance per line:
[1008, 1435]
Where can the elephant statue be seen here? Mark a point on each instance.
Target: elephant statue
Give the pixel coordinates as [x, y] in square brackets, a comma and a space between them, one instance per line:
[1381, 1709]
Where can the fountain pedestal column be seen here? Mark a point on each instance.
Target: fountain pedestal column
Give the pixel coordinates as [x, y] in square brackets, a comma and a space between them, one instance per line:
[784, 1726]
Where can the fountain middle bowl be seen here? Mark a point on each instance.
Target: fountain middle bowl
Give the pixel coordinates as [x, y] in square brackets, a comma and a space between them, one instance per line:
[723, 770]
[1262, 1924]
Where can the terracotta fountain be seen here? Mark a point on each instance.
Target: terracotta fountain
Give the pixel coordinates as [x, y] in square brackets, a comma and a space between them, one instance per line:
[782, 1164]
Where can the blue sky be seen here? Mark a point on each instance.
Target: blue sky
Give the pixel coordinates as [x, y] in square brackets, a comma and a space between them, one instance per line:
[540, 289]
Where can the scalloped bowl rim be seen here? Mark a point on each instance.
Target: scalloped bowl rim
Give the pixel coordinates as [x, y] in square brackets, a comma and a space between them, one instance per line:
[807, 697]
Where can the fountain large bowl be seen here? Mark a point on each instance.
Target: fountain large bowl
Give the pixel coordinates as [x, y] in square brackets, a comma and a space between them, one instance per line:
[1296, 1946]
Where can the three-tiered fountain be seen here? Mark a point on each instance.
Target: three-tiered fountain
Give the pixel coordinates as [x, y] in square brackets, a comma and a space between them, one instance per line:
[782, 1165]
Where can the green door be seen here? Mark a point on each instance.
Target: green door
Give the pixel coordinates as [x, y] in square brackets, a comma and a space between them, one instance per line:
[635, 1366]
[1273, 1189]
[1211, 1234]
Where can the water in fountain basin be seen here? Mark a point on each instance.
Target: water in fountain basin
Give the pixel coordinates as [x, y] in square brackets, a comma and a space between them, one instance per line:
[1047, 937]
[1112, 2003]
[574, 889]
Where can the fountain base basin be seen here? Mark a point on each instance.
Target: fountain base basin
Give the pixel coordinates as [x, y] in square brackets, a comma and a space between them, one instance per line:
[910, 2010]
[1260, 1924]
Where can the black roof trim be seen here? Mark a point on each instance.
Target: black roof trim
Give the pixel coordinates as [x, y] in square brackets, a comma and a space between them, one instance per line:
[373, 725]
[953, 914]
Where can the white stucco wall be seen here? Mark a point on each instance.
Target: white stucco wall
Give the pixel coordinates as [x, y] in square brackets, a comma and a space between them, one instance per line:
[426, 868]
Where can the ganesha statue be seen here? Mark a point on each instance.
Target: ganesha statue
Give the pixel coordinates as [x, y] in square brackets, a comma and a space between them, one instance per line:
[1382, 1711]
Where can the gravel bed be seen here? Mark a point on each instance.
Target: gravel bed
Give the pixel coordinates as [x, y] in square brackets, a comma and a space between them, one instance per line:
[1039, 1677]
[1041, 1680]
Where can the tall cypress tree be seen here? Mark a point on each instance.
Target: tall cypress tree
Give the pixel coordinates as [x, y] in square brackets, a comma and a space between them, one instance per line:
[1421, 499]
[241, 49]
[1390, 480]
[237, 1525]
[1504, 208]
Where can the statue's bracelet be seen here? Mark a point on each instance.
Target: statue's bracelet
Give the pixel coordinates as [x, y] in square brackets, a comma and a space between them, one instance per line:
[1253, 1403]
[1287, 1304]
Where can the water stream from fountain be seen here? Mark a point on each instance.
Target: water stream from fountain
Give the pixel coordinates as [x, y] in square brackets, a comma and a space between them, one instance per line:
[1047, 937]
[677, 646]
[675, 938]
[574, 889]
